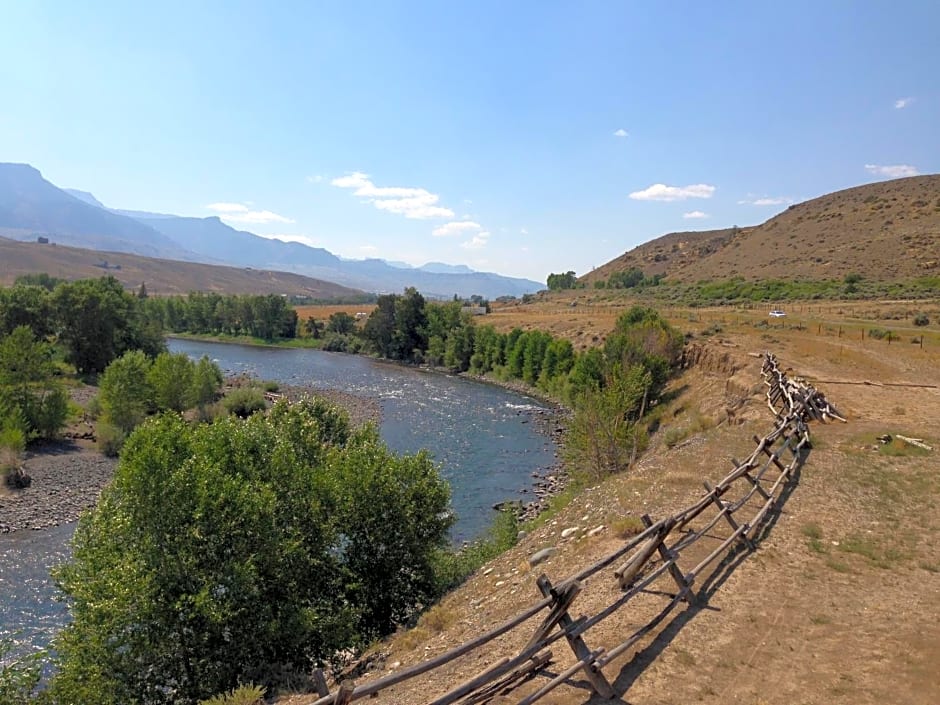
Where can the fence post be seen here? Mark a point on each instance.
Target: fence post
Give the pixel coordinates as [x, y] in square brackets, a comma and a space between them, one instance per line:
[600, 684]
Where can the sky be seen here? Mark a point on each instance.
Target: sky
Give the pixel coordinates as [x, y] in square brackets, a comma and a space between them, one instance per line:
[517, 137]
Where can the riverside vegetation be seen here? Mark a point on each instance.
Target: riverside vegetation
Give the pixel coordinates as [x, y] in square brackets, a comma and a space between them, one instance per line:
[249, 549]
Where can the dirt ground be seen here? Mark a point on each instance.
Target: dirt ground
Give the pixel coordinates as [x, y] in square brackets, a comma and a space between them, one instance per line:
[840, 601]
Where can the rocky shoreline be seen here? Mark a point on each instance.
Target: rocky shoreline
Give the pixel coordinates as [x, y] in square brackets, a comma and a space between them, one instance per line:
[68, 475]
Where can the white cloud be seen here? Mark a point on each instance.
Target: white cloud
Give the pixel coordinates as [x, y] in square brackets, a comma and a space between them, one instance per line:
[766, 201]
[661, 192]
[477, 242]
[694, 215]
[241, 213]
[621, 133]
[894, 171]
[455, 228]
[902, 103]
[523, 231]
[415, 203]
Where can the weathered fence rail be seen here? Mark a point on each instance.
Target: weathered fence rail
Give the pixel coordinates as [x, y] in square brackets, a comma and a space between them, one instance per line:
[647, 558]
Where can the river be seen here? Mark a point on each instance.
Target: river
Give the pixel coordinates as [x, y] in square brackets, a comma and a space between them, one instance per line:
[482, 436]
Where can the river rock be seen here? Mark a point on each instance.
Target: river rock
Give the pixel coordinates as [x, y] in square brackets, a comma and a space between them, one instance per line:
[570, 531]
[542, 555]
[595, 531]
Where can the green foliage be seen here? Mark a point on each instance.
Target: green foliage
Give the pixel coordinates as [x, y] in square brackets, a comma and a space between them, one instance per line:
[242, 695]
[244, 401]
[268, 316]
[921, 319]
[171, 377]
[125, 391]
[110, 439]
[557, 282]
[222, 554]
[341, 322]
[454, 567]
[207, 380]
[19, 675]
[99, 322]
[27, 382]
[26, 305]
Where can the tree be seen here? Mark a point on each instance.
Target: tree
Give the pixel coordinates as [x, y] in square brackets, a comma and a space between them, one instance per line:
[99, 321]
[557, 282]
[28, 385]
[207, 380]
[380, 325]
[341, 322]
[410, 326]
[125, 391]
[229, 552]
[171, 378]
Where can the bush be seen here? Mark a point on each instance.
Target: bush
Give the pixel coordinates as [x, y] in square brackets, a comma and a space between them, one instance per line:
[921, 319]
[171, 378]
[242, 695]
[19, 676]
[49, 412]
[244, 401]
[207, 380]
[110, 439]
[222, 554]
[126, 394]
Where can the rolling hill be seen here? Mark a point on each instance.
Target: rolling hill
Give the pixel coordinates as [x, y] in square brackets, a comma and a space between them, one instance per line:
[885, 231]
[161, 276]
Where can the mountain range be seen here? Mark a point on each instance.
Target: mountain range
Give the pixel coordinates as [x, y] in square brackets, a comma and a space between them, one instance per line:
[31, 206]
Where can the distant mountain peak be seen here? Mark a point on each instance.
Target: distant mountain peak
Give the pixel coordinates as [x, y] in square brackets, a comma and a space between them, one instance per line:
[84, 196]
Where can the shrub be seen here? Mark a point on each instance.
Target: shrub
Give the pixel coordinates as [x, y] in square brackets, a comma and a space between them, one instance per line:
[171, 379]
[921, 319]
[49, 411]
[242, 695]
[244, 401]
[110, 439]
[126, 395]
[18, 675]
[207, 380]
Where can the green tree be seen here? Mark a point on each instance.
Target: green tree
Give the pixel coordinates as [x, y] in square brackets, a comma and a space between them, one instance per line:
[26, 305]
[171, 378]
[125, 392]
[380, 325]
[99, 321]
[27, 382]
[410, 335]
[557, 282]
[341, 322]
[229, 552]
[207, 380]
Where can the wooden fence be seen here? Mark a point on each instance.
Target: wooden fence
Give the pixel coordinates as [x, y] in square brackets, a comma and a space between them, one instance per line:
[741, 502]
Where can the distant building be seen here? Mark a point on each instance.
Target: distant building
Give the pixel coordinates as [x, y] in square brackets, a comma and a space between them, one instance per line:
[42, 240]
[474, 310]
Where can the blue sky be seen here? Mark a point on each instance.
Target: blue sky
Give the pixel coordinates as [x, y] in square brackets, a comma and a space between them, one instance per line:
[516, 137]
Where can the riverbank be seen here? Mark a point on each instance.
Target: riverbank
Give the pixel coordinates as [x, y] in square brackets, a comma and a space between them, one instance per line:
[69, 474]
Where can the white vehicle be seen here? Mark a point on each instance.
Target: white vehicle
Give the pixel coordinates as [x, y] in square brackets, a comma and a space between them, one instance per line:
[777, 313]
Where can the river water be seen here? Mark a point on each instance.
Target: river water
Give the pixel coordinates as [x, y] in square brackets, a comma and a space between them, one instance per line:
[482, 437]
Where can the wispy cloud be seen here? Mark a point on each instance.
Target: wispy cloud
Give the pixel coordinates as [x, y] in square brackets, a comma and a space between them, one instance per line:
[478, 241]
[902, 103]
[694, 215]
[523, 231]
[621, 133]
[661, 192]
[241, 213]
[893, 171]
[415, 203]
[766, 201]
[455, 228]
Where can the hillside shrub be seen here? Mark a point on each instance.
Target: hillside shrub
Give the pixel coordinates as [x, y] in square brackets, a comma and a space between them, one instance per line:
[242, 695]
[921, 319]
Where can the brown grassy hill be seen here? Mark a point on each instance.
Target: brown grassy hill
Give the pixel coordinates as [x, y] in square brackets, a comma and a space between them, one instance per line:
[161, 276]
[883, 231]
[666, 254]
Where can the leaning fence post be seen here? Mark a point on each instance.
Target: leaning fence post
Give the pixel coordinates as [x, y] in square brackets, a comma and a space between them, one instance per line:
[600, 684]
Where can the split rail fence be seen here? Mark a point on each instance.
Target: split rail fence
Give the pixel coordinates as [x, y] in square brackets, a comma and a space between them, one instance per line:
[756, 484]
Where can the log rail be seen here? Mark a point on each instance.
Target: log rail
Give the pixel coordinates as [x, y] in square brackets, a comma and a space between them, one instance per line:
[645, 559]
